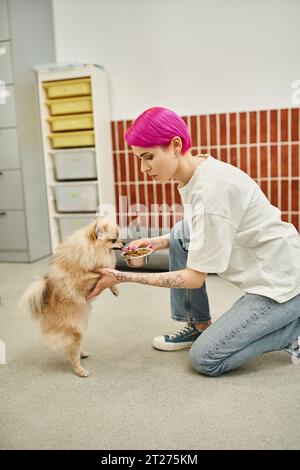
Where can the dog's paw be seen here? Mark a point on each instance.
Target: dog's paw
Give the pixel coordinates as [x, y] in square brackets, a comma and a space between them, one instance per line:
[82, 373]
[84, 354]
[115, 290]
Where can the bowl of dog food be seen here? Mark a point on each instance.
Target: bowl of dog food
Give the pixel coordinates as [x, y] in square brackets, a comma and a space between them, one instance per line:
[136, 257]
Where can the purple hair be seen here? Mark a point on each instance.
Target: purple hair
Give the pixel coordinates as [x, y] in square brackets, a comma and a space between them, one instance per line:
[157, 126]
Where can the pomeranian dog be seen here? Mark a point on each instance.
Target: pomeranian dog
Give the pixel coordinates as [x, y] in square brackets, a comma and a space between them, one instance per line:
[58, 300]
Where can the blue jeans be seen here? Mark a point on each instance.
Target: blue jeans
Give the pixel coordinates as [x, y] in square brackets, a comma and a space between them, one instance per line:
[255, 324]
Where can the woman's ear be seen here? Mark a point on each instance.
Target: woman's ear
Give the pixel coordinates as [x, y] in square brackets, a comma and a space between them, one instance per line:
[176, 145]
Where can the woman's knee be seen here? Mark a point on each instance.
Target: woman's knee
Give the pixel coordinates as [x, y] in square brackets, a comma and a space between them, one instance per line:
[204, 361]
[176, 230]
[179, 234]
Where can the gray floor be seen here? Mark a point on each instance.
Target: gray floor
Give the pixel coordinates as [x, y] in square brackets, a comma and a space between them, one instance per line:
[136, 397]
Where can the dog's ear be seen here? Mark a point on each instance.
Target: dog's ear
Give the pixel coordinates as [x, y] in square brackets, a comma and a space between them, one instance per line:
[101, 230]
[93, 236]
[93, 231]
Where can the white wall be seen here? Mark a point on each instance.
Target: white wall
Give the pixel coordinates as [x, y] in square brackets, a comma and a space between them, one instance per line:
[194, 56]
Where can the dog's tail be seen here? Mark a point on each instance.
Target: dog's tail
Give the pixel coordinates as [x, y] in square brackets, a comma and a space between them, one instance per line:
[32, 299]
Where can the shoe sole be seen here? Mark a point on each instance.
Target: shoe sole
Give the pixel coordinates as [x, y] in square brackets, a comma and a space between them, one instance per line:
[172, 346]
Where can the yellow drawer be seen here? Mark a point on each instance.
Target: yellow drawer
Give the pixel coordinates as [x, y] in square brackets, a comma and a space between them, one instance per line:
[72, 139]
[70, 105]
[63, 88]
[71, 122]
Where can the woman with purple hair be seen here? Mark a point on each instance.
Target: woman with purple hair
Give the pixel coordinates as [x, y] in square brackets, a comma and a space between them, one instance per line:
[229, 228]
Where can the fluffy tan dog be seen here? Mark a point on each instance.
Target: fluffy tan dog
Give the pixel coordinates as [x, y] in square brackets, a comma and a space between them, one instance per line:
[58, 300]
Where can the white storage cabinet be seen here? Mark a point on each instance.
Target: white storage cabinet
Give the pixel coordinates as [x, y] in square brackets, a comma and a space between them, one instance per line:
[76, 130]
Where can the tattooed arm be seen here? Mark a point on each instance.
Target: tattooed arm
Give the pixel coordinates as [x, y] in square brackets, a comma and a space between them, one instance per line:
[162, 242]
[183, 279]
[158, 243]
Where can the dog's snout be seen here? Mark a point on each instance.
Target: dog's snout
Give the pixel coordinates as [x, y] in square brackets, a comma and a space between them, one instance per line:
[119, 242]
[119, 245]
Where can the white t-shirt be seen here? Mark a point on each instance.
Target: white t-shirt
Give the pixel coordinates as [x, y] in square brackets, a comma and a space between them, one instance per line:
[236, 233]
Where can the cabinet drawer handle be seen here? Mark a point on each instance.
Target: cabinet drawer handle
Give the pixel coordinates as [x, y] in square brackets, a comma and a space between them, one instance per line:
[2, 213]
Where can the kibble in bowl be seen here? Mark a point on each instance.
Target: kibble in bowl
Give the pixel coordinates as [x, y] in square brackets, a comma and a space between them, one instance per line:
[136, 258]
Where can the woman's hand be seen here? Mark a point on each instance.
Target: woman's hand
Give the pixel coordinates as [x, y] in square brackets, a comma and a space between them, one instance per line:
[155, 244]
[108, 279]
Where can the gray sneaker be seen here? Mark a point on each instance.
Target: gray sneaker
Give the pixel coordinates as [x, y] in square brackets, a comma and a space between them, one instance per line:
[183, 339]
